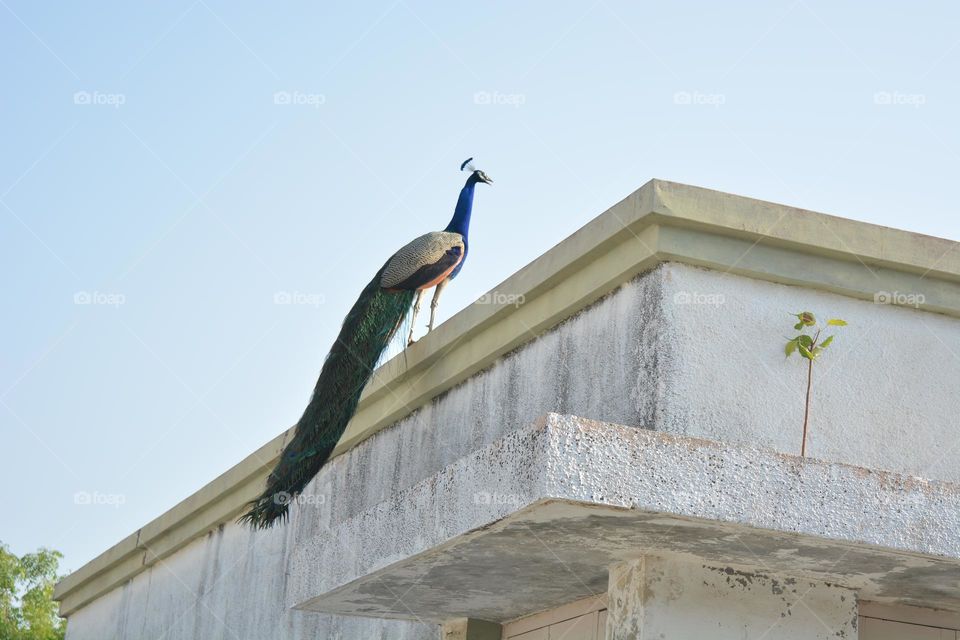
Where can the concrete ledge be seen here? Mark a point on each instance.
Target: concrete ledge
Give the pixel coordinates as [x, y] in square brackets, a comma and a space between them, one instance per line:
[569, 497]
[661, 221]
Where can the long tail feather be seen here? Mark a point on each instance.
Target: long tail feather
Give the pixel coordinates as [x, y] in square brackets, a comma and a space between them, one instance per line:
[366, 333]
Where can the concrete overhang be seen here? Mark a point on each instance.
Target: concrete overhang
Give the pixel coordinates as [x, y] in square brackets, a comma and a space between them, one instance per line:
[566, 498]
[661, 221]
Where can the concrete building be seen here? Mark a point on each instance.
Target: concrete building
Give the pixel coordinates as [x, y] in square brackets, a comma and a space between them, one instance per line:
[607, 445]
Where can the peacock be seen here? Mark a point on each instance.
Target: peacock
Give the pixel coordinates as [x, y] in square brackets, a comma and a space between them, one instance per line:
[432, 260]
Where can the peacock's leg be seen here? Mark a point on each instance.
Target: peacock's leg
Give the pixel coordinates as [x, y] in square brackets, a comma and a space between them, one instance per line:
[413, 319]
[435, 302]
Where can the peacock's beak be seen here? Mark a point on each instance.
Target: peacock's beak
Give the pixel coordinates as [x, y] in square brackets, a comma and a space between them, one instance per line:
[485, 179]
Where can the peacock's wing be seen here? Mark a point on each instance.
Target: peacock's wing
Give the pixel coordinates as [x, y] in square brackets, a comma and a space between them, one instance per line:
[423, 262]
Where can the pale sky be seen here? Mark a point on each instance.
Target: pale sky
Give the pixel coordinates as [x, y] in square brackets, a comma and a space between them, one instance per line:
[170, 170]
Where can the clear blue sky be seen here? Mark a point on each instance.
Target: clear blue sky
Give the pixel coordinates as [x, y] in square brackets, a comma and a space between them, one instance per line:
[150, 164]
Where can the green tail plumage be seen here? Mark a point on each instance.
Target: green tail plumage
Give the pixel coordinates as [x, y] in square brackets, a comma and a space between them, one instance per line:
[366, 333]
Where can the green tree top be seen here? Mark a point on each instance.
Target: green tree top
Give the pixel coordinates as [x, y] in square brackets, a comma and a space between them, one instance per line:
[27, 609]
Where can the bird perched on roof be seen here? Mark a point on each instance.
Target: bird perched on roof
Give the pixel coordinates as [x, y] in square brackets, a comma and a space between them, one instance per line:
[432, 260]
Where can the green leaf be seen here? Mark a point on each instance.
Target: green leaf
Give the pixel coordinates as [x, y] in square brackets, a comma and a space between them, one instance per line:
[790, 347]
[837, 322]
[805, 340]
[805, 352]
[826, 343]
[798, 326]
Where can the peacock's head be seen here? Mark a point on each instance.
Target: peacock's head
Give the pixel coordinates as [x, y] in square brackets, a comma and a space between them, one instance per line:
[475, 174]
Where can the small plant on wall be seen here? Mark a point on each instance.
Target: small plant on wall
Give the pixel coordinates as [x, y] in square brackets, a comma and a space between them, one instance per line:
[808, 344]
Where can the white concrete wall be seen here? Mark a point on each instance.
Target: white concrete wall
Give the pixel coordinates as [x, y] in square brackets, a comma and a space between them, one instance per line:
[885, 397]
[885, 393]
[228, 585]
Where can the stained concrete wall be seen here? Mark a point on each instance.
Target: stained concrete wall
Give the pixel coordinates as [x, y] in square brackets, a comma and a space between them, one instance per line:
[228, 585]
[655, 353]
[665, 597]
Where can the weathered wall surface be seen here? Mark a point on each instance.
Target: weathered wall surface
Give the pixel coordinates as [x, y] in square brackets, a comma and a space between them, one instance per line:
[229, 585]
[232, 584]
[679, 349]
[665, 597]
[885, 393]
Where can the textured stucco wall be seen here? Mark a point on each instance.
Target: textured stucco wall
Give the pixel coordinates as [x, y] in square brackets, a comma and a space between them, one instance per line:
[575, 496]
[641, 356]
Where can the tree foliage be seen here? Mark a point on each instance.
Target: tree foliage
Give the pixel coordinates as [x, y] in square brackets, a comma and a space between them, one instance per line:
[27, 609]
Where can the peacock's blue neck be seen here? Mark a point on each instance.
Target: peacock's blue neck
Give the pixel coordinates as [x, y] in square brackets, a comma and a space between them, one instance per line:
[460, 222]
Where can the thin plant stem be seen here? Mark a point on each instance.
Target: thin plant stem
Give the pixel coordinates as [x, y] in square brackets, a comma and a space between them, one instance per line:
[806, 407]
